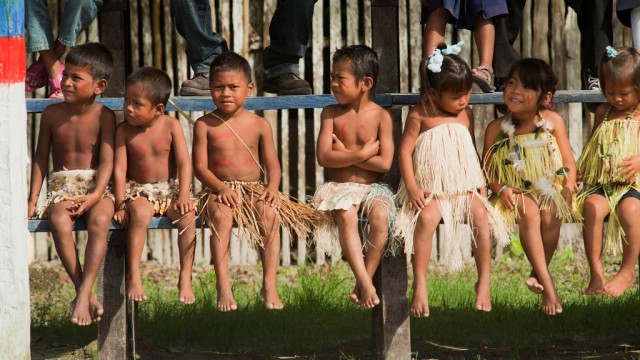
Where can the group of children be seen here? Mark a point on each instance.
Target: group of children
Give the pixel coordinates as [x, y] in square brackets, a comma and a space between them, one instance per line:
[527, 165]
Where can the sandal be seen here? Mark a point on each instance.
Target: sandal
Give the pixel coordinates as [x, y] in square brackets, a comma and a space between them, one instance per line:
[37, 72]
[484, 79]
[55, 88]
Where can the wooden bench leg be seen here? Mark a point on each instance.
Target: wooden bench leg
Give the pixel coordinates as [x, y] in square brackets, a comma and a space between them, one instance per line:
[114, 339]
[391, 336]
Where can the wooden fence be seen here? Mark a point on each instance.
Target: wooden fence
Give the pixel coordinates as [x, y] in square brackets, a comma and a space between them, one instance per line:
[244, 23]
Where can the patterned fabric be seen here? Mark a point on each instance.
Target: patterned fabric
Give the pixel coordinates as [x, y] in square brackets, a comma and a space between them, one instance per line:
[159, 194]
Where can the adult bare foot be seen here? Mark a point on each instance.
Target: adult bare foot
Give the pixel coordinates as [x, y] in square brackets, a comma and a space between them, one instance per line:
[533, 285]
[551, 304]
[420, 301]
[185, 291]
[483, 296]
[271, 299]
[596, 286]
[95, 308]
[368, 296]
[135, 291]
[618, 285]
[81, 315]
[226, 302]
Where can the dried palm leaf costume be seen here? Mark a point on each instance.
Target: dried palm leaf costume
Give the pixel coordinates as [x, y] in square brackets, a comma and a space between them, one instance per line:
[610, 143]
[446, 163]
[159, 194]
[67, 185]
[531, 162]
[293, 216]
[342, 196]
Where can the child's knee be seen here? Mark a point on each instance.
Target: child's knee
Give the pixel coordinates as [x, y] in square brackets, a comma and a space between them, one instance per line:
[140, 212]
[99, 222]
[593, 209]
[429, 218]
[60, 221]
[628, 212]
[378, 216]
[345, 217]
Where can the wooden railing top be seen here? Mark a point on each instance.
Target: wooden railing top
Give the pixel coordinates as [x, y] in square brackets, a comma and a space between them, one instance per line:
[204, 103]
[157, 222]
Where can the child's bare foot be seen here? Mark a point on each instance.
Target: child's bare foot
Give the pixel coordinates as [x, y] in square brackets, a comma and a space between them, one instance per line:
[367, 296]
[135, 291]
[226, 302]
[185, 291]
[271, 299]
[533, 285]
[355, 295]
[95, 308]
[551, 304]
[483, 296]
[81, 315]
[420, 301]
[596, 286]
[619, 284]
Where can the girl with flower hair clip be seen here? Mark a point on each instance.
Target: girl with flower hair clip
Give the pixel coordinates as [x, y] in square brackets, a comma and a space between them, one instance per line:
[610, 167]
[442, 179]
[531, 170]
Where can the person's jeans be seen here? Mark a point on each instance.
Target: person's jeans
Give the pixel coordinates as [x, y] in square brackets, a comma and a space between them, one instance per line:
[289, 32]
[76, 17]
[193, 22]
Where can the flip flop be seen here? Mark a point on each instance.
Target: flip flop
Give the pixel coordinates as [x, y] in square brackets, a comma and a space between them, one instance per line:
[482, 82]
[55, 88]
[36, 71]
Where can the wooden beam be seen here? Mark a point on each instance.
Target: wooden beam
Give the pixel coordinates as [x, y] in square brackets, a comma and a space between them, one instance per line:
[157, 222]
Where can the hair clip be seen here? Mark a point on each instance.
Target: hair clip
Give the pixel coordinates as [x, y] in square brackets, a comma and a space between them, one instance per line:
[453, 49]
[435, 59]
[611, 52]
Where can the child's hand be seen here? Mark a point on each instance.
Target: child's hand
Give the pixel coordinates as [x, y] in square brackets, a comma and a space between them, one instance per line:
[271, 198]
[418, 198]
[483, 192]
[121, 217]
[337, 144]
[629, 168]
[568, 190]
[508, 197]
[80, 205]
[228, 197]
[371, 148]
[182, 205]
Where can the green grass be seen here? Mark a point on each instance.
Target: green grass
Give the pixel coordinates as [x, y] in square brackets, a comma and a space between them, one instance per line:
[319, 321]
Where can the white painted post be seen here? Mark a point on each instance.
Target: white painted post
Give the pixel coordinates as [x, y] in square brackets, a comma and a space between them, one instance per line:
[14, 238]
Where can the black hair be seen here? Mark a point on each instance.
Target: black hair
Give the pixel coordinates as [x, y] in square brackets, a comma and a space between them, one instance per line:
[535, 74]
[623, 67]
[155, 83]
[454, 76]
[93, 56]
[363, 60]
[230, 61]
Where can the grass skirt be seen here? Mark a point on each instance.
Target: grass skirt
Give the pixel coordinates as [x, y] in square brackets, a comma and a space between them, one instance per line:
[445, 163]
[70, 185]
[334, 195]
[612, 141]
[159, 194]
[539, 173]
[293, 216]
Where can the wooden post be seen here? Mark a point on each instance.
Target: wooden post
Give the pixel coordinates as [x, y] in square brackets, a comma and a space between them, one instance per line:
[15, 317]
[115, 34]
[391, 338]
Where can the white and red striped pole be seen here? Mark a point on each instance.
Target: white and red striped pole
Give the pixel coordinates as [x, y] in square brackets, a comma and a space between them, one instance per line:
[14, 238]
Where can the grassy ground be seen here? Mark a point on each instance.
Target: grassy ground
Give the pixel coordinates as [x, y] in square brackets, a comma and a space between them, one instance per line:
[319, 322]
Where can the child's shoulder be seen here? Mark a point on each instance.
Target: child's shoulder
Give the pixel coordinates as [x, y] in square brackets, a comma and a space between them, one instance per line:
[552, 117]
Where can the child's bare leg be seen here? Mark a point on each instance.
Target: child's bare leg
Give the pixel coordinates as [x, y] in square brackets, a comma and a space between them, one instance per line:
[364, 293]
[426, 225]
[482, 254]
[595, 209]
[270, 254]
[87, 309]
[531, 238]
[222, 219]
[140, 213]
[378, 219]
[61, 226]
[628, 211]
[433, 32]
[186, 248]
[484, 35]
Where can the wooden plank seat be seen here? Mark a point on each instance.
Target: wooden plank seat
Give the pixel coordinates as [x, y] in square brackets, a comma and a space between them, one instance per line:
[157, 223]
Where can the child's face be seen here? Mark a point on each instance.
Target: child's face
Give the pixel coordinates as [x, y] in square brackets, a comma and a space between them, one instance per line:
[138, 109]
[623, 97]
[78, 84]
[518, 98]
[343, 83]
[229, 89]
[451, 102]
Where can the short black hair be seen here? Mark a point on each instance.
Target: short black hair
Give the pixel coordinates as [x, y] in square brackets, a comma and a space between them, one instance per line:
[364, 62]
[155, 83]
[535, 74]
[230, 61]
[93, 56]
